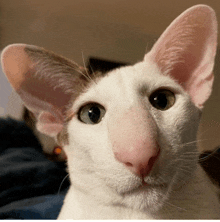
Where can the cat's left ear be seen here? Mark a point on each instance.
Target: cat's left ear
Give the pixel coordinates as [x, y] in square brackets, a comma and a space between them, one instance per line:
[186, 51]
[46, 82]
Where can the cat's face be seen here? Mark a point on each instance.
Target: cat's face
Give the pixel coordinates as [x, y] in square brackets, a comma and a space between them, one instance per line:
[143, 143]
[91, 151]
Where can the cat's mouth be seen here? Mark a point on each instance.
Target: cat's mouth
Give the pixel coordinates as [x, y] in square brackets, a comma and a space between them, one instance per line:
[152, 185]
[145, 187]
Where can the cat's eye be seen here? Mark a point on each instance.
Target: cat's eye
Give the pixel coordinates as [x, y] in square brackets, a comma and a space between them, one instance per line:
[91, 113]
[162, 99]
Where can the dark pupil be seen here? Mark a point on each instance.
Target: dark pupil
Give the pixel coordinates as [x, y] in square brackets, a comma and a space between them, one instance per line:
[94, 114]
[161, 100]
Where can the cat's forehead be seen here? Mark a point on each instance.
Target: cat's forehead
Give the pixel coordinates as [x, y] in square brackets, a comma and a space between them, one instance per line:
[126, 83]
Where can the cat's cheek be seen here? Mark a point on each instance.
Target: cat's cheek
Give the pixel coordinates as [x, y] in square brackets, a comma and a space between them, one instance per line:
[177, 136]
[89, 140]
[183, 151]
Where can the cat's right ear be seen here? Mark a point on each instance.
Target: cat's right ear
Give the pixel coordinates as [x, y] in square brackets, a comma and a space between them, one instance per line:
[46, 82]
[186, 51]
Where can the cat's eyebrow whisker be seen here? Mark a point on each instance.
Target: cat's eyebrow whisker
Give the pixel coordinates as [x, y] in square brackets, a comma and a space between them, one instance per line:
[87, 77]
[86, 69]
[93, 73]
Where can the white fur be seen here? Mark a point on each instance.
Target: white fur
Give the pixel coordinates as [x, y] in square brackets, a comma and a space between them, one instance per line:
[109, 162]
[102, 188]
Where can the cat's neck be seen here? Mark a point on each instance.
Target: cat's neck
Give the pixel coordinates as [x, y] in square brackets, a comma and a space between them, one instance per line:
[187, 202]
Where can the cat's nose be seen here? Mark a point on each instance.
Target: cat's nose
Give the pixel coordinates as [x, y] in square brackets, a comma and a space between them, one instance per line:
[134, 140]
[139, 162]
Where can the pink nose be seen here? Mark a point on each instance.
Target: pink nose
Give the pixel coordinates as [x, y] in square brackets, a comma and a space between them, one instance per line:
[139, 165]
[133, 135]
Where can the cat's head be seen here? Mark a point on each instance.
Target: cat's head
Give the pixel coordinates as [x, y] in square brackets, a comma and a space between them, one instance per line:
[130, 136]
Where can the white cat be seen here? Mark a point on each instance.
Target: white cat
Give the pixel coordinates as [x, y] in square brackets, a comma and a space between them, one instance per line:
[130, 136]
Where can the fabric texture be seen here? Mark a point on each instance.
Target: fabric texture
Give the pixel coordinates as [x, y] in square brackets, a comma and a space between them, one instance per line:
[29, 182]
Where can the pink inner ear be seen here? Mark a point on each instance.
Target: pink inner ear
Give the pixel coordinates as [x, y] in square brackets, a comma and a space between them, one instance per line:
[46, 82]
[15, 63]
[186, 51]
[49, 124]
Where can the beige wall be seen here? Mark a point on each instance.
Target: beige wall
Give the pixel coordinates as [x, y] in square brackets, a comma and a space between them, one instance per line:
[113, 29]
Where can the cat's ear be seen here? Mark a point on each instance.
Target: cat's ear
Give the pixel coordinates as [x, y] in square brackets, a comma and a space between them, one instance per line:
[186, 51]
[46, 82]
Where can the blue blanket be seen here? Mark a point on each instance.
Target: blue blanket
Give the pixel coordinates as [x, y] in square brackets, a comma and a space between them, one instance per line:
[29, 182]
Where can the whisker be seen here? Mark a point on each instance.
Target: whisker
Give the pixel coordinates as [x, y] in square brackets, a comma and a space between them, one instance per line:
[86, 69]
[216, 158]
[186, 160]
[192, 142]
[202, 133]
[87, 77]
[162, 180]
[190, 153]
[172, 205]
[93, 73]
[62, 184]
[184, 170]
[209, 155]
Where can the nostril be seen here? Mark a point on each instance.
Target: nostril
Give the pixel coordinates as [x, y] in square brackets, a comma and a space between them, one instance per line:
[152, 161]
[144, 169]
[128, 164]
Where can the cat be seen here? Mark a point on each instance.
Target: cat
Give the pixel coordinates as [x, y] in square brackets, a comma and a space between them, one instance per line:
[129, 135]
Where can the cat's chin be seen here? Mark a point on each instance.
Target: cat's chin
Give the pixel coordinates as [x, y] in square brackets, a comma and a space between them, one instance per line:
[148, 198]
[148, 195]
